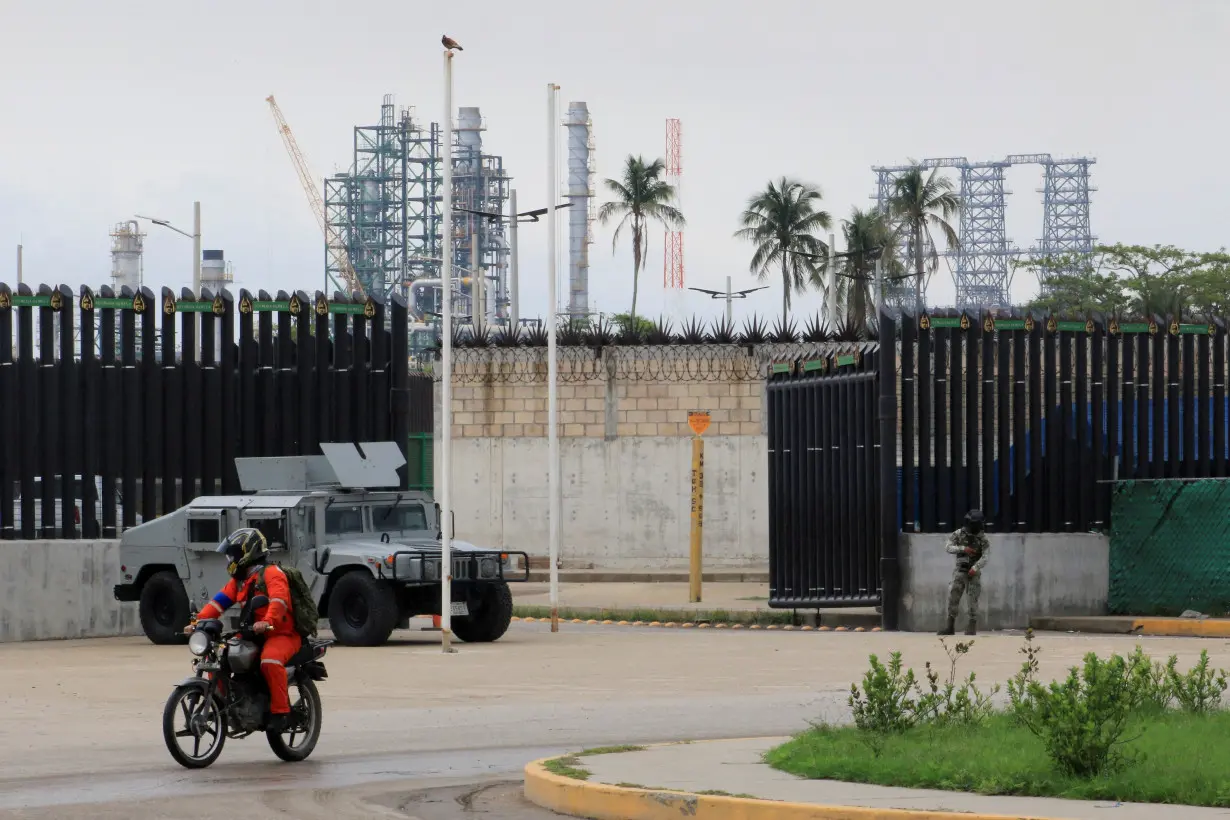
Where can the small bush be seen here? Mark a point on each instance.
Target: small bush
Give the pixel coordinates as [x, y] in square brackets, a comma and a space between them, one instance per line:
[1082, 721]
[952, 704]
[1150, 685]
[883, 706]
[1198, 690]
[1020, 705]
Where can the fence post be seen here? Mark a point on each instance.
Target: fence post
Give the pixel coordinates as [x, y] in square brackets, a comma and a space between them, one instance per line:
[70, 411]
[90, 416]
[130, 417]
[890, 539]
[194, 437]
[172, 410]
[110, 408]
[360, 381]
[305, 362]
[400, 365]
[150, 441]
[48, 409]
[1219, 398]
[228, 418]
[8, 388]
[286, 377]
[324, 367]
[211, 424]
[343, 350]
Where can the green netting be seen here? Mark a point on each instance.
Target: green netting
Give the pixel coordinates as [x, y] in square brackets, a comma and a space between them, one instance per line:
[419, 464]
[1170, 547]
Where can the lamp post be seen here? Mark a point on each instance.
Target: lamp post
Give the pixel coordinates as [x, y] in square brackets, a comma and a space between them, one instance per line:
[553, 483]
[195, 236]
[513, 219]
[728, 296]
[446, 380]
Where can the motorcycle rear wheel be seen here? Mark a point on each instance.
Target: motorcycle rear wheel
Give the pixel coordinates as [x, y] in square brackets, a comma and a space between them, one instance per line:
[201, 722]
[304, 725]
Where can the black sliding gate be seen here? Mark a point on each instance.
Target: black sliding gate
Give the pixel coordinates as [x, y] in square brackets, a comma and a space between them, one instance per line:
[824, 481]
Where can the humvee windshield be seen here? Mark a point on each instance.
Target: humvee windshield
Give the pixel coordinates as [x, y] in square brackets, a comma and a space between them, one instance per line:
[405, 516]
[340, 520]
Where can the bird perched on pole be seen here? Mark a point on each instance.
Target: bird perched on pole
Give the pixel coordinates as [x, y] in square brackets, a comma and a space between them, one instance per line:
[450, 43]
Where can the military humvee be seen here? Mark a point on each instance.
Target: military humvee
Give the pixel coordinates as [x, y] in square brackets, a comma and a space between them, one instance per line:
[371, 556]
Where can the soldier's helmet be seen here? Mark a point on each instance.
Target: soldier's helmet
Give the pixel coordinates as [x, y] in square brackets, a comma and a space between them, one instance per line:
[975, 522]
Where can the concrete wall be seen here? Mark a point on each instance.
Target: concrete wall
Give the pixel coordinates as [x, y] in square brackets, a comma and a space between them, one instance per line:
[1028, 574]
[625, 449]
[62, 589]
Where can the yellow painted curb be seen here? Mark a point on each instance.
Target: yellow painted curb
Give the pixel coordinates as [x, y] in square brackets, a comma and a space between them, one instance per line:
[1183, 627]
[599, 801]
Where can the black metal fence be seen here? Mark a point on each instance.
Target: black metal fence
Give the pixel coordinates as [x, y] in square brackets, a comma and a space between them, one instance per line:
[824, 481]
[1030, 418]
[131, 405]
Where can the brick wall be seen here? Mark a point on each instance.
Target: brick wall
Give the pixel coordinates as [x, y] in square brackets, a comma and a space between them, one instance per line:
[599, 400]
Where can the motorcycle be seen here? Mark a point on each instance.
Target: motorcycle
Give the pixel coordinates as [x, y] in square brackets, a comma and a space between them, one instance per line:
[228, 696]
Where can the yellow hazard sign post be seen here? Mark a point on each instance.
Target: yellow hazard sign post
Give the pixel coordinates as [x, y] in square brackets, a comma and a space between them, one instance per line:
[699, 422]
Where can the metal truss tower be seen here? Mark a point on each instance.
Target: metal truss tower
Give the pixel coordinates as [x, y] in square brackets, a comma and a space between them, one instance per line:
[1065, 212]
[383, 209]
[982, 271]
[672, 257]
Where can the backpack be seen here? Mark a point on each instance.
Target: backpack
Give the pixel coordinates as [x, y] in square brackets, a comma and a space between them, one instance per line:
[302, 606]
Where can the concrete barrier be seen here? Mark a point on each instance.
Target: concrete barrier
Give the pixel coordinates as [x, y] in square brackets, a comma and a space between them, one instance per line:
[62, 589]
[1026, 575]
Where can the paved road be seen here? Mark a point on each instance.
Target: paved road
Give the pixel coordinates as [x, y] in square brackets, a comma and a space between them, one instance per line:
[80, 733]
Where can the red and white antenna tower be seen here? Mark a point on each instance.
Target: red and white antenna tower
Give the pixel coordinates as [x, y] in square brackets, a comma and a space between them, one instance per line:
[672, 262]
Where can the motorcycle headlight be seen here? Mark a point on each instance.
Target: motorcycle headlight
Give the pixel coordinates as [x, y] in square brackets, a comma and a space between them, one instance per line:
[198, 644]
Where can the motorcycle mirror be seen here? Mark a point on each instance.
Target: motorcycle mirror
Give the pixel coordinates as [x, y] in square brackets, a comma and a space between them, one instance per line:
[322, 559]
[259, 602]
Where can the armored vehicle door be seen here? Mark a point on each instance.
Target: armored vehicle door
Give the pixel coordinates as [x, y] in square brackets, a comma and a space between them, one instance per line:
[206, 568]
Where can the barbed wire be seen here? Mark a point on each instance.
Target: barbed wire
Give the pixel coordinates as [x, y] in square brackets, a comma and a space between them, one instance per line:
[645, 363]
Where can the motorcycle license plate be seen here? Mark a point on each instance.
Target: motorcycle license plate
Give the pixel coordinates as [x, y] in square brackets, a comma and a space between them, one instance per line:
[458, 609]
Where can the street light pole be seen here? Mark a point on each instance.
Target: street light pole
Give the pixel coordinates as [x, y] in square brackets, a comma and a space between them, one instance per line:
[514, 319]
[446, 378]
[196, 249]
[553, 483]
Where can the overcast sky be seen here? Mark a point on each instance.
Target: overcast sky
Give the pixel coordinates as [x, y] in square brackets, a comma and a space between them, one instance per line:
[110, 109]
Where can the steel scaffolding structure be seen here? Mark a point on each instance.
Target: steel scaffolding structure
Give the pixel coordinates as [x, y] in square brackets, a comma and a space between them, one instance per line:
[982, 271]
[480, 184]
[386, 209]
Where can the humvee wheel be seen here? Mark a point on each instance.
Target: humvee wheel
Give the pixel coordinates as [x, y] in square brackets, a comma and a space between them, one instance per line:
[362, 610]
[490, 621]
[164, 610]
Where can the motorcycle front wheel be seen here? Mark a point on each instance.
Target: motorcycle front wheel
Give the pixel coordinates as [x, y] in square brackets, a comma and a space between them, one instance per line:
[200, 725]
[298, 739]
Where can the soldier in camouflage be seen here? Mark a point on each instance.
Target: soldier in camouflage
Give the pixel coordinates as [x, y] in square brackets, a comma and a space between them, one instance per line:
[971, 546]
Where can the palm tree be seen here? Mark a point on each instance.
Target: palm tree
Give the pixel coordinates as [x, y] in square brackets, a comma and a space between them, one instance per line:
[642, 196]
[922, 204]
[782, 221]
[867, 237]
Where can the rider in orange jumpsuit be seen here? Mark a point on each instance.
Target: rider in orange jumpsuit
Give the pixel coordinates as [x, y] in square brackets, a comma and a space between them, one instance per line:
[248, 553]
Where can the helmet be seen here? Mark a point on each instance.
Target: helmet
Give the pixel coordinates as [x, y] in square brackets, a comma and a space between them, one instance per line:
[975, 522]
[243, 548]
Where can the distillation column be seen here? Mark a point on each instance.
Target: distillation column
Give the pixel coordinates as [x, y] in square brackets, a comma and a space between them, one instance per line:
[580, 216]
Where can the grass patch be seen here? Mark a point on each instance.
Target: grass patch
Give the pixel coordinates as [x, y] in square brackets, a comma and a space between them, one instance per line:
[716, 616]
[1175, 757]
[610, 750]
[567, 766]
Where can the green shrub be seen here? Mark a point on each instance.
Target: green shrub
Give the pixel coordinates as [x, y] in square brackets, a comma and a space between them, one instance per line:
[1019, 704]
[1149, 683]
[883, 706]
[1081, 721]
[952, 704]
[1198, 690]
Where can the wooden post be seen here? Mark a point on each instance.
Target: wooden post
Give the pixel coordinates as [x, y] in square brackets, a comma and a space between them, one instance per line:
[699, 422]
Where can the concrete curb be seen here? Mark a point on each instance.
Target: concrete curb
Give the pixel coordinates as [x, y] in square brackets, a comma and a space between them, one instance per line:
[539, 575]
[1131, 625]
[701, 625]
[600, 801]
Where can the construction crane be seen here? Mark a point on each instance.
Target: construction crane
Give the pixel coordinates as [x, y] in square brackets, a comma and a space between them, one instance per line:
[337, 248]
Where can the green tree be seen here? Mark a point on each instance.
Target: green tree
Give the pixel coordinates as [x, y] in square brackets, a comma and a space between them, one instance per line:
[640, 197]
[867, 236]
[781, 221]
[640, 325]
[923, 204]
